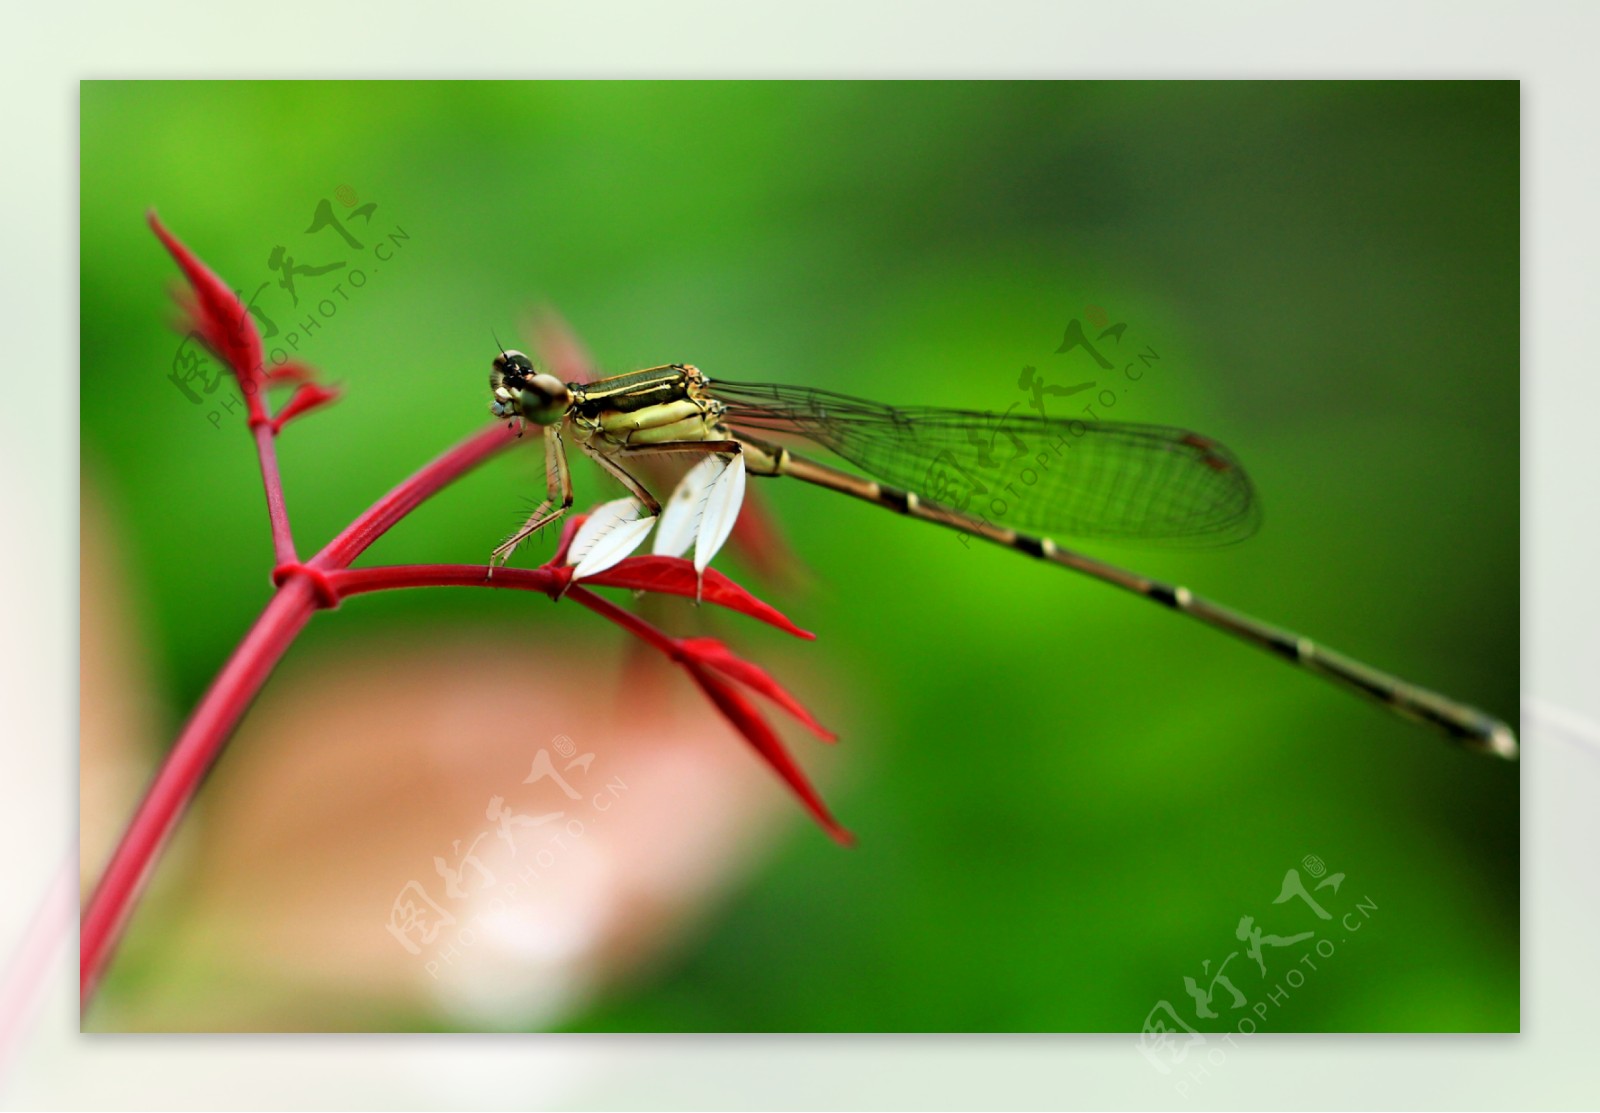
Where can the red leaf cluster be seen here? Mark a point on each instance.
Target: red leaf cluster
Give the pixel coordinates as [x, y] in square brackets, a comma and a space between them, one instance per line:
[218, 315]
[718, 671]
[223, 322]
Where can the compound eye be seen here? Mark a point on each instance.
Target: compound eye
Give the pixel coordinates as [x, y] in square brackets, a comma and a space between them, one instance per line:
[549, 386]
[513, 365]
[544, 399]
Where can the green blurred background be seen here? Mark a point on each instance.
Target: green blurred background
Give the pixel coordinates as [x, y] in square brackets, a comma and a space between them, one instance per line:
[1065, 799]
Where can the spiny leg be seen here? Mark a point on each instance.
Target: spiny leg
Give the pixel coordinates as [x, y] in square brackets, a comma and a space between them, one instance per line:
[635, 488]
[558, 479]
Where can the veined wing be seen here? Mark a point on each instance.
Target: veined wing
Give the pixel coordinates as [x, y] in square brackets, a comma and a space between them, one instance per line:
[1111, 480]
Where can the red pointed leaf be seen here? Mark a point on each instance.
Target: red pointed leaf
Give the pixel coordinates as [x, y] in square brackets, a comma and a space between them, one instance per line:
[676, 576]
[220, 316]
[712, 652]
[290, 372]
[306, 397]
[750, 723]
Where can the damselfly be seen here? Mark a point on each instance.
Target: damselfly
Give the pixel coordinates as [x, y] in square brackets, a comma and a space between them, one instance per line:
[985, 475]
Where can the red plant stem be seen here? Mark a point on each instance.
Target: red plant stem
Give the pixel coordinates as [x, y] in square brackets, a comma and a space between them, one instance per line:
[175, 783]
[277, 510]
[627, 620]
[302, 590]
[343, 550]
[358, 581]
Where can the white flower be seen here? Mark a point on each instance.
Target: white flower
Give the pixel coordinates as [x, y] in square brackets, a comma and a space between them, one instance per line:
[702, 509]
[701, 513]
[607, 536]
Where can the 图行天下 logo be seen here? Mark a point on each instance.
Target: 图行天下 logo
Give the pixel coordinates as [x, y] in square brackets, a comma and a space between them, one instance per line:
[311, 280]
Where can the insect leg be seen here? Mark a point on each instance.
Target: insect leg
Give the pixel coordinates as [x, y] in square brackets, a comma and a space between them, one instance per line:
[558, 483]
[635, 488]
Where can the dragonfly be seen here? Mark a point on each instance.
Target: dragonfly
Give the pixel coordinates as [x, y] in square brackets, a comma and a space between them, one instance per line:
[1012, 479]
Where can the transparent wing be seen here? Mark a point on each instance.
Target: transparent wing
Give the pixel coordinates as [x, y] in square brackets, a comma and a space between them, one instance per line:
[1142, 483]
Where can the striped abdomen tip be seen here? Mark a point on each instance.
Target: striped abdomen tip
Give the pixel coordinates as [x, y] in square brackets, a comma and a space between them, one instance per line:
[1500, 741]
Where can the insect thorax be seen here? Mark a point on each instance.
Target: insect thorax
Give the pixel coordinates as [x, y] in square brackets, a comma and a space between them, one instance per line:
[654, 406]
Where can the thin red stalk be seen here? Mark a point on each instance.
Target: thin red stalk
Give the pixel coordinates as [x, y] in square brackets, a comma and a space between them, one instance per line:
[219, 711]
[359, 581]
[383, 514]
[277, 510]
[180, 775]
[662, 575]
[627, 620]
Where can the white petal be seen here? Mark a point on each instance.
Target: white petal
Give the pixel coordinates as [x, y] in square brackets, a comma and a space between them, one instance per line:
[680, 518]
[722, 510]
[609, 535]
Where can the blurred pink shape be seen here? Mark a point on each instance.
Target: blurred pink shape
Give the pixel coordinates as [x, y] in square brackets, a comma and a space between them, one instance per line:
[456, 825]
